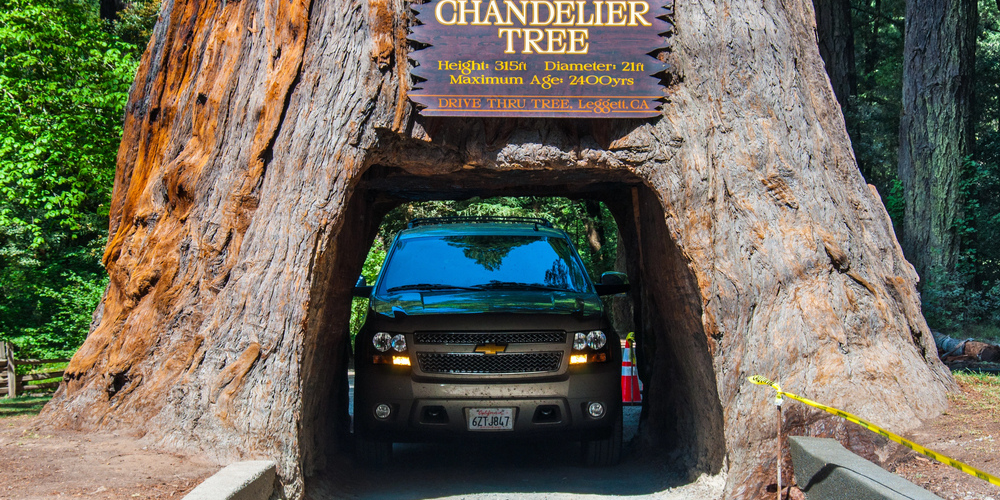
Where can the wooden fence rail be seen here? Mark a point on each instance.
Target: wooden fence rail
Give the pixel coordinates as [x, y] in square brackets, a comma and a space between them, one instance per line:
[12, 384]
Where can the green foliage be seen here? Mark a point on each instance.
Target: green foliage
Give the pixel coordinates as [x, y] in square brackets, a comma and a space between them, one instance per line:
[64, 84]
[62, 316]
[951, 301]
[135, 24]
[64, 81]
[969, 294]
[981, 182]
[370, 270]
[987, 332]
[895, 203]
[873, 113]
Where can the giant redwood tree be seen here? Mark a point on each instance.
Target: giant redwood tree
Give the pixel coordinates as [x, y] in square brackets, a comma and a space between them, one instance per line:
[265, 139]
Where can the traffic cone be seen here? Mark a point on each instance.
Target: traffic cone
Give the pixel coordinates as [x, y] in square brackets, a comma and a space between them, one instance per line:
[631, 386]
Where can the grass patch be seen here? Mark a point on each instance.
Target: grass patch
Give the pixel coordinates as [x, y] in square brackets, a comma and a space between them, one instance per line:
[22, 405]
[981, 391]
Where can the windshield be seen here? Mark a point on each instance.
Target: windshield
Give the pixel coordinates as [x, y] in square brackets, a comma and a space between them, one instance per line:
[480, 262]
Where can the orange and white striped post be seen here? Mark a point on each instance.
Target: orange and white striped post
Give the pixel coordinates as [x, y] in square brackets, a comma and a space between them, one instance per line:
[631, 386]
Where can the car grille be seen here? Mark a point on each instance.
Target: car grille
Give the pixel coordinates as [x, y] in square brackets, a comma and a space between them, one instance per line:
[532, 362]
[490, 337]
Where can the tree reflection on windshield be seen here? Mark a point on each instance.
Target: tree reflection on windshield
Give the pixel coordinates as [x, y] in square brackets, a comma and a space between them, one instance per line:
[488, 250]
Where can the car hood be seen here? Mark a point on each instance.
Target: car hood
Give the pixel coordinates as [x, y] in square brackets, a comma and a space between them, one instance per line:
[486, 301]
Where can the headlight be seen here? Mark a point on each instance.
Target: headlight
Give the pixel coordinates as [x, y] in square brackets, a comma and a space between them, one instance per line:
[579, 340]
[382, 341]
[596, 339]
[398, 343]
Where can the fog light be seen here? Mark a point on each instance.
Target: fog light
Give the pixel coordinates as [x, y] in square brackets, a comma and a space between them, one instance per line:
[596, 409]
[577, 359]
[579, 340]
[382, 411]
[596, 339]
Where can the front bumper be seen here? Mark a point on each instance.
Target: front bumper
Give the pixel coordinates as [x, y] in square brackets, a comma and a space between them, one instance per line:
[435, 410]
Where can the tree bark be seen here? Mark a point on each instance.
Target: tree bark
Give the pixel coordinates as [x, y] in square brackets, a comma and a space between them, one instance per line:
[265, 139]
[935, 129]
[595, 228]
[835, 34]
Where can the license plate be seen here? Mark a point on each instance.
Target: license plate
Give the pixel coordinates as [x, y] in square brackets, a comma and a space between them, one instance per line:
[490, 419]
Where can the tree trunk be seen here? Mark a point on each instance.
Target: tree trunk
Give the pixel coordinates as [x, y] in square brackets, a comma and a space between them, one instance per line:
[265, 139]
[935, 133]
[595, 228]
[835, 34]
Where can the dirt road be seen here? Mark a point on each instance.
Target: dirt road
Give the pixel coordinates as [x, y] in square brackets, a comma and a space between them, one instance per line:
[62, 464]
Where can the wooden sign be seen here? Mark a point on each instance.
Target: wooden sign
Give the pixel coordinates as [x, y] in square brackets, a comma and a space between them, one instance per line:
[540, 58]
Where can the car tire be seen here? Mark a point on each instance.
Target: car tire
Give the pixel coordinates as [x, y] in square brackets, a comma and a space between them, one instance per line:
[606, 451]
[371, 452]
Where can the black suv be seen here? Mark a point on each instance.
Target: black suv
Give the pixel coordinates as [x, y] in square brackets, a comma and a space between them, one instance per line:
[489, 328]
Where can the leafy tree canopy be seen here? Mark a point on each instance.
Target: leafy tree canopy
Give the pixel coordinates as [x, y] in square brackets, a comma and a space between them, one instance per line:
[64, 81]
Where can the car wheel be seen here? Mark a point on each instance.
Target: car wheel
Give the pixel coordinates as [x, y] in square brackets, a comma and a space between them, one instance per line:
[606, 451]
[371, 452]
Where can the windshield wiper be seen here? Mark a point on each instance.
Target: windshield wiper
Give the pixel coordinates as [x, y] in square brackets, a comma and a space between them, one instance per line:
[515, 284]
[428, 286]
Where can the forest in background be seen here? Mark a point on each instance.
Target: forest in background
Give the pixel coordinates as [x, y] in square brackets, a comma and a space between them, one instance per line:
[66, 67]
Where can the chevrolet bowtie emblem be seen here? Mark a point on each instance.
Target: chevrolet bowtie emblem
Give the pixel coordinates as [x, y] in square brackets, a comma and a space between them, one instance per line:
[491, 348]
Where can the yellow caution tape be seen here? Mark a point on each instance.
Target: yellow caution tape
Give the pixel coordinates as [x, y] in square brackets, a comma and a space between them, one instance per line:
[968, 469]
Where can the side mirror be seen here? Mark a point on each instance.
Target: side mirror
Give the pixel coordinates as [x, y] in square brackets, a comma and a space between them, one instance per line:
[612, 283]
[361, 288]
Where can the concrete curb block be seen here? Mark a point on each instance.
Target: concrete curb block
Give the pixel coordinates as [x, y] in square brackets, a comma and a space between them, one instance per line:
[252, 480]
[826, 470]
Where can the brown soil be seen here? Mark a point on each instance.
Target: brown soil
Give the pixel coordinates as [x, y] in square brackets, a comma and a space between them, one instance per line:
[968, 432]
[37, 464]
